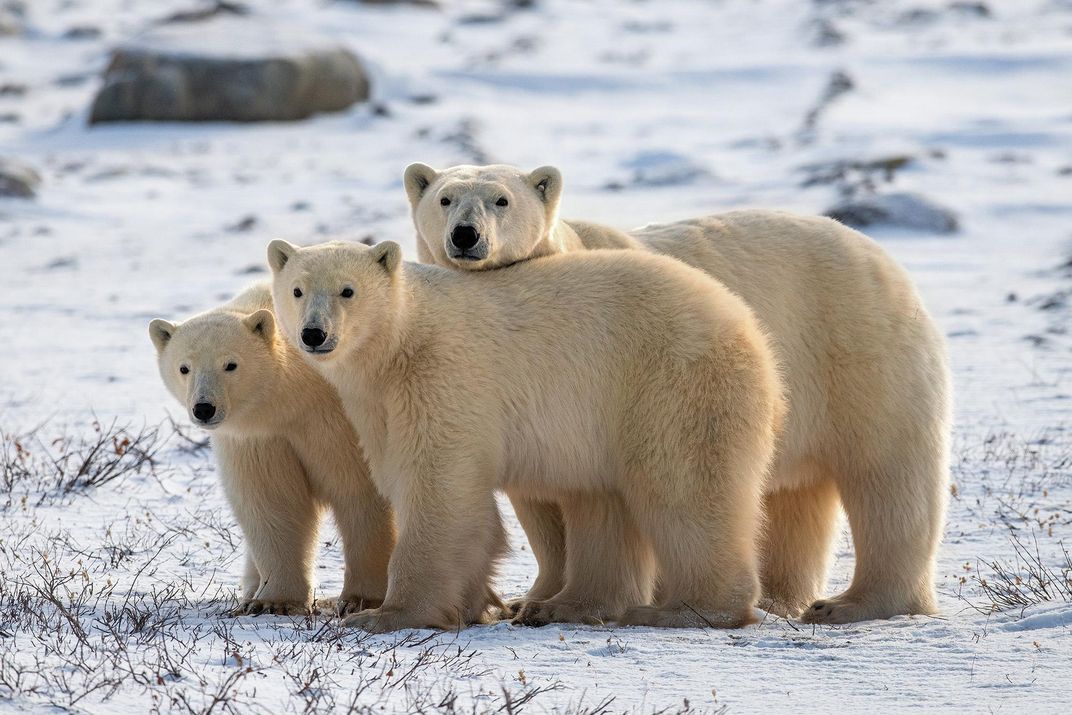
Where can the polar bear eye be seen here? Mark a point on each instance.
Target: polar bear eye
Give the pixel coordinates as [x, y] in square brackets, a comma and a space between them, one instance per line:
[184, 370]
[347, 293]
[444, 201]
[231, 366]
[502, 202]
[297, 293]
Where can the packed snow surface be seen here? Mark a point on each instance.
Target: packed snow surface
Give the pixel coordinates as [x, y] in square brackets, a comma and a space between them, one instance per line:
[112, 595]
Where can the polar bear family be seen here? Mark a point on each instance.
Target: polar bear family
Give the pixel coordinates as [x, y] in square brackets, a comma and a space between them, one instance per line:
[677, 437]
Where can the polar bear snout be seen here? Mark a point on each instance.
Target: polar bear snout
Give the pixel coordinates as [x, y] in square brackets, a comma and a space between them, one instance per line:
[467, 244]
[316, 340]
[313, 337]
[204, 411]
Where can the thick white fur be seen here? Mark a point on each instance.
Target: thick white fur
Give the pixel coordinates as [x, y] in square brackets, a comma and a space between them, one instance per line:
[866, 376]
[613, 376]
[285, 450]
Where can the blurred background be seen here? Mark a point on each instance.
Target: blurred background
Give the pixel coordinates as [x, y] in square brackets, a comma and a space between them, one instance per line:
[151, 149]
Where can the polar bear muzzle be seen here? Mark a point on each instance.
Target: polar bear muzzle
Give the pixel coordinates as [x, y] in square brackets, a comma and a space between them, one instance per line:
[313, 337]
[467, 244]
[204, 411]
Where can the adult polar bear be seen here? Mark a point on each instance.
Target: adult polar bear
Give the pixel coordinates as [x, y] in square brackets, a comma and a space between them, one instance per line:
[863, 363]
[665, 394]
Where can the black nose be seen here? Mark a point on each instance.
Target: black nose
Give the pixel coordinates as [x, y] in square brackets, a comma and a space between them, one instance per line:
[204, 411]
[313, 337]
[464, 237]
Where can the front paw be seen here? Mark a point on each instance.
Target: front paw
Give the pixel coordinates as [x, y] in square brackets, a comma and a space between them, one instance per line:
[385, 620]
[542, 613]
[348, 605]
[257, 606]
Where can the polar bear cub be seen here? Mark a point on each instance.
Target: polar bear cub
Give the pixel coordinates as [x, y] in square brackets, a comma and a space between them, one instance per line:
[613, 373]
[865, 372]
[285, 451]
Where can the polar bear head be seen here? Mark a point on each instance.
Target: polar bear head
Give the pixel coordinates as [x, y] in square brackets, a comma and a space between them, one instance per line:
[220, 365]
[335, 297]
[479, 217]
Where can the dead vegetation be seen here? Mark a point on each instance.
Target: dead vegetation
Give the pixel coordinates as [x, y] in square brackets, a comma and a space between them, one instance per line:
[128, 601]
[48, 468]
[1018, 482]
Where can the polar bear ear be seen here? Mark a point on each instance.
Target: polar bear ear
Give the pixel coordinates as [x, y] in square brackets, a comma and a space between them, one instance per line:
[262, 323]
[161, 331]
[389, 255]
[417, 179]
[279, 252]
[547, 182]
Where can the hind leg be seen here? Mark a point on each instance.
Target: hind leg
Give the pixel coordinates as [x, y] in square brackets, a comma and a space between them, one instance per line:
[705, 547]
[896, 513]
[795, 546]
[546, 532]
[609, 567]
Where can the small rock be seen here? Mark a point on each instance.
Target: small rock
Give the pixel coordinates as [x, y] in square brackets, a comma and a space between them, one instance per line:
[10, 118]
[414, 3]
[246, 223]
[648, 27]
[220, 7]
[853, 176]
[1010, 157]
[18, 180]
[72, 80]
[825, 33]
[11, 20]
[903, 210]
[13, 89]
[917, 16]
[480, 18]
[973, 9]
[82, 32]
[228, 70]
[62, 262]
[1054, 301]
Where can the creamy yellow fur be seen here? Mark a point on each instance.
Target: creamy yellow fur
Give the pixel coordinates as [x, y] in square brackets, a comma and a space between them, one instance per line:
[865, 371]
[614, 376]
[285, 450]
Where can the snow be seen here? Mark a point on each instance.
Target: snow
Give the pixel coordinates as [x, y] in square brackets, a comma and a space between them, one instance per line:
[653, 112]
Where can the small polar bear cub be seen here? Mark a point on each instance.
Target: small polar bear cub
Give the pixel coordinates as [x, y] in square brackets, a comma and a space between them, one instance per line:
[611, 373]
[285, 451]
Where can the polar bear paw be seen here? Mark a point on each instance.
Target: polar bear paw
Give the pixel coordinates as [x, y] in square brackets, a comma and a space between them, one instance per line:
[542, 613]
[852, 609]
[386, 620]
[257, 606]
[351, 604]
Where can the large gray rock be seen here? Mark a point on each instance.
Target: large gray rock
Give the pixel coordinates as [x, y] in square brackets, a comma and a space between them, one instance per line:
[230, 69]
[17, 179]
[904, 210]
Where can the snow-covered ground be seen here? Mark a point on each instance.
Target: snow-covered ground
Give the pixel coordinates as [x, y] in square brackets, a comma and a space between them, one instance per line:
[110, 596]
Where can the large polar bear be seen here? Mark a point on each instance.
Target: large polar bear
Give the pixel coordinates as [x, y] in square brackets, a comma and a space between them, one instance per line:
[611, 372]
[285, 450]
[864, 367]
